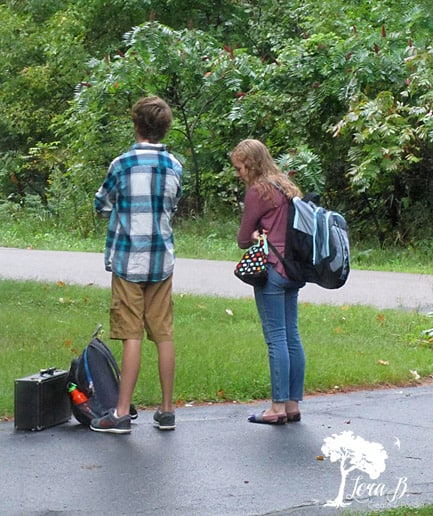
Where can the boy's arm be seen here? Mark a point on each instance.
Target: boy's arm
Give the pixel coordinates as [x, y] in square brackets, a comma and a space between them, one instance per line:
[105, 196]
[103, 205]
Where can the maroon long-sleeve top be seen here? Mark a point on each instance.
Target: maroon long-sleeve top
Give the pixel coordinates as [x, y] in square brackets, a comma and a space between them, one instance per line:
[269, 214]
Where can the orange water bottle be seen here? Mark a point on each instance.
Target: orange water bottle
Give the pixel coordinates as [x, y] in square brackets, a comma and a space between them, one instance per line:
[83, 407]
[77, 396]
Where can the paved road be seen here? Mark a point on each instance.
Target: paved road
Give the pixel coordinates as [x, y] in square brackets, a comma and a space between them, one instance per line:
[216, 463]
[380, 289]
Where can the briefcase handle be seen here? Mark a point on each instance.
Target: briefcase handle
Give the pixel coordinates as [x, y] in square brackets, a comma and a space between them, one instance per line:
[50, 371]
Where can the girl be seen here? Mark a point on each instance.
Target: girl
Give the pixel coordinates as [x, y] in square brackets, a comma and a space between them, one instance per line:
[265, 210]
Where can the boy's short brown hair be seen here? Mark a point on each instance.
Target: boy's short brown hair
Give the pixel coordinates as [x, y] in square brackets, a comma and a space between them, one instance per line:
[152, 118]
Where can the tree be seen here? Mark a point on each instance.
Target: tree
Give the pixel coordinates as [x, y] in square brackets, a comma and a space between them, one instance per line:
[198, 78]
[43, 59]
[391, 152]
[347, 82]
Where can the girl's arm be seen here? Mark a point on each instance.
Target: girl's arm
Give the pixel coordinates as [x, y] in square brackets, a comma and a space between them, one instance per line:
[254, 209]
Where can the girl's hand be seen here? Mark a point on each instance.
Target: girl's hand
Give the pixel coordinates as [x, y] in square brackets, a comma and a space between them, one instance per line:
[256, 234]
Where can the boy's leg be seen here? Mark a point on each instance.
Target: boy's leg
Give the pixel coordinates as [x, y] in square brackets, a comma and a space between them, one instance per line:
[126, 324]
[158, 321]
[130, 370]
[166, 365]
[159, 327]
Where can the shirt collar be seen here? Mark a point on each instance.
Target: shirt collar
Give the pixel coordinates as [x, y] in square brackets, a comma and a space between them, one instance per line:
[146, 145]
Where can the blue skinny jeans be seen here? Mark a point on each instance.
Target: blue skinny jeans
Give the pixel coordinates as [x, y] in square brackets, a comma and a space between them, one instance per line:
[277, 304]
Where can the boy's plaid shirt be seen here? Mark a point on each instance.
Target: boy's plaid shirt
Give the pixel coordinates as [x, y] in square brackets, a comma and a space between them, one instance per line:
[140, 193]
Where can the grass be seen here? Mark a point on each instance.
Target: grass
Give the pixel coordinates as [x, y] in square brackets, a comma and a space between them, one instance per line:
[403, 511]
[220, 351]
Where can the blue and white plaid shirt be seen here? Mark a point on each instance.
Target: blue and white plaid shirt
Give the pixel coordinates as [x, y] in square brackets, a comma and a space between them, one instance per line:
[140, 194]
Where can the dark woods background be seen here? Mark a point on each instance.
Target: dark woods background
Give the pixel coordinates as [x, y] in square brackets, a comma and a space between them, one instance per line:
[340, 91]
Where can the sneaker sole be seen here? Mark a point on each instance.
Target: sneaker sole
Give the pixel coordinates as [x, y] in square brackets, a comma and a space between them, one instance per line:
[111, 430]
[157, 425]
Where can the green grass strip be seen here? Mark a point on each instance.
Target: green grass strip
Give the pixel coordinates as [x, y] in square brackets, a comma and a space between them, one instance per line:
[221, 354]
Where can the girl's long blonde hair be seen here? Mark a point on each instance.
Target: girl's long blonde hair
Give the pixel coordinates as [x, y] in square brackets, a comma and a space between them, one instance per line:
[262, 171]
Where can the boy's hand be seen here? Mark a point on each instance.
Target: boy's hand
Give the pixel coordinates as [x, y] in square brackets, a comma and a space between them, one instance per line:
[104, 214]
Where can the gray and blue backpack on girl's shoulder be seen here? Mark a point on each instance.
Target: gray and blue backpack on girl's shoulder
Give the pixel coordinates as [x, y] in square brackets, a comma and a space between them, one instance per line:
[317, 245]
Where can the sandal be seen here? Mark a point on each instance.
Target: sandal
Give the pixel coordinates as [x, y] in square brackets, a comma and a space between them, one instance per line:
[294, 417]
[268, 419]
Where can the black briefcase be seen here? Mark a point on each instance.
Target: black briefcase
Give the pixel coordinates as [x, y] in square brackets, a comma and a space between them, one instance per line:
[42, 400]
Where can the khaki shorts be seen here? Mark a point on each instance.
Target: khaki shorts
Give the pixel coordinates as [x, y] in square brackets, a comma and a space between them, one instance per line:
[141, 307]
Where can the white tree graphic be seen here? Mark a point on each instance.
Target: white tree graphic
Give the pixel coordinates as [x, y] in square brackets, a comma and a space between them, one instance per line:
[353, 452]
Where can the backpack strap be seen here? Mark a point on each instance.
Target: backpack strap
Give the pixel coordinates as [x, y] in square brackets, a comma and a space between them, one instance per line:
[291, 263]
[87, 369]
[97, 343]
[276, 252]
[102, 348]
[98, 329]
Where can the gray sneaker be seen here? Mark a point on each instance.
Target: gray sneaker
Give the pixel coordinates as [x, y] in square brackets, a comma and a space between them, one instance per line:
[164, 420]
[112, 424]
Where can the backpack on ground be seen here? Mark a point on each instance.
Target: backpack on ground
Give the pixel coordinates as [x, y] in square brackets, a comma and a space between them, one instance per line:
[317, 245]
[96, 374]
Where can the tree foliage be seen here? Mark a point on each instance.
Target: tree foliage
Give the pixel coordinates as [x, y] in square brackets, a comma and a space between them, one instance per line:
[341, 92]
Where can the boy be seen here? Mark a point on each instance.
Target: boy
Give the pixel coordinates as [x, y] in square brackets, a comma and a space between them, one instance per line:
[140, 194]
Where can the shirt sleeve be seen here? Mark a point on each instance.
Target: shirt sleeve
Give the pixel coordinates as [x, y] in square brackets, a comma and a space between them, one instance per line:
[105, 196]
[254, 209]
